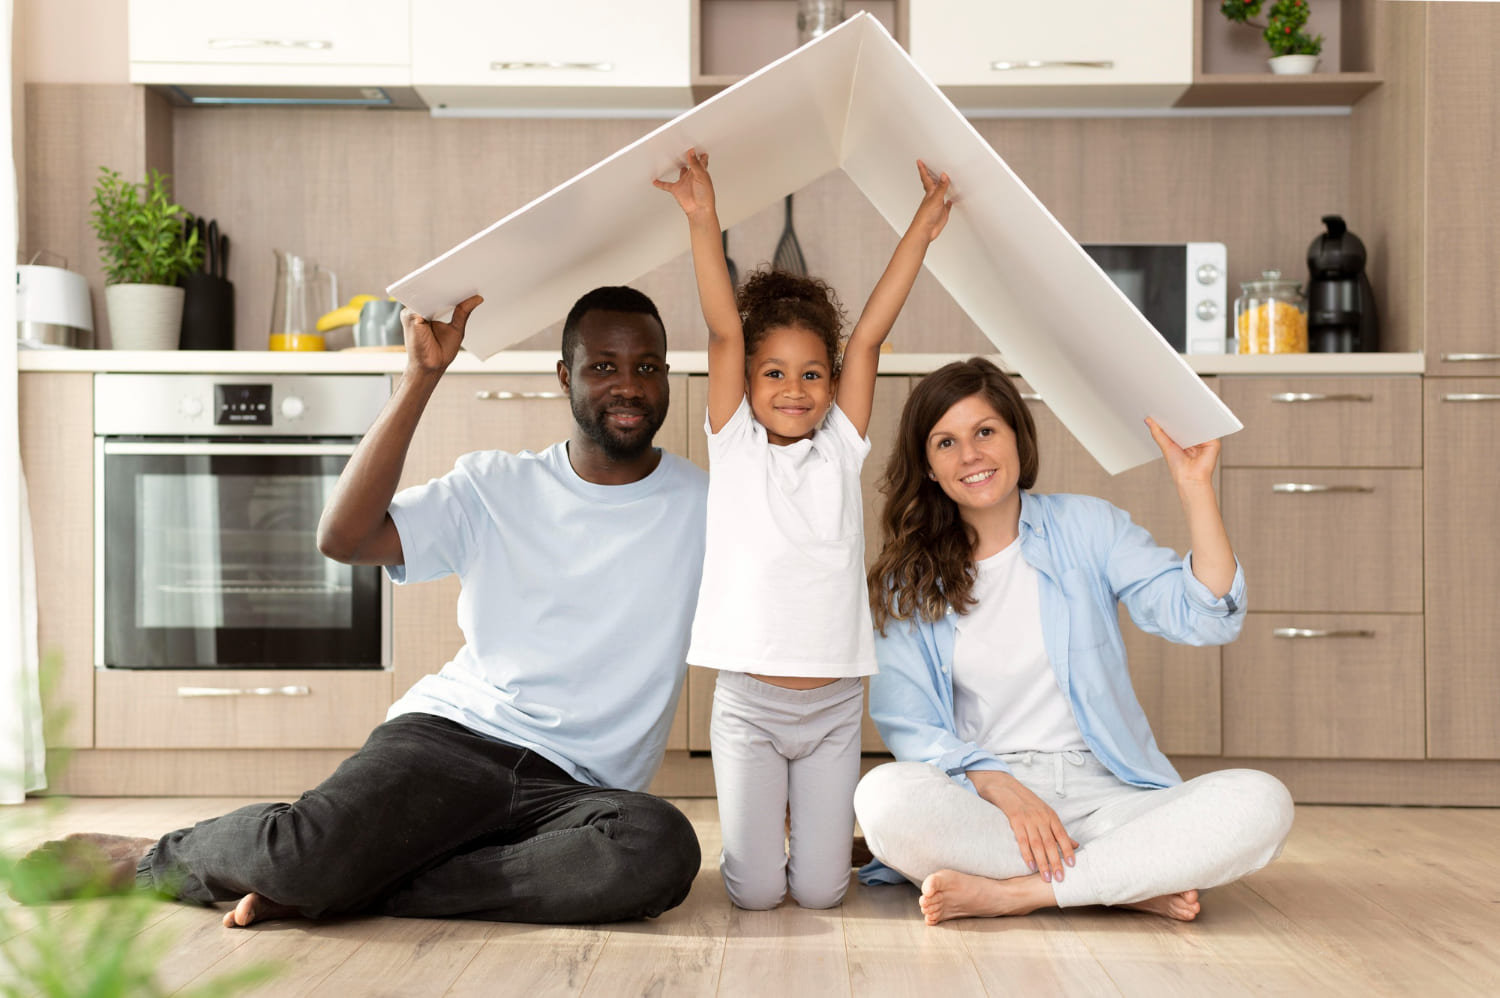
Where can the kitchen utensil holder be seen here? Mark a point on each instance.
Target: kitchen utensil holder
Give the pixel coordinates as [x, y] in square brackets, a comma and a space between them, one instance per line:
[207, 312]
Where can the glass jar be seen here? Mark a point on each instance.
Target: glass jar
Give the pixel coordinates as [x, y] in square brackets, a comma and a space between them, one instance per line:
[1270, 316]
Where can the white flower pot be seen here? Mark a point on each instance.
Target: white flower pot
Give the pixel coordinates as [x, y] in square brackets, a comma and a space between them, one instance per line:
[1293, 65]
[144, 316]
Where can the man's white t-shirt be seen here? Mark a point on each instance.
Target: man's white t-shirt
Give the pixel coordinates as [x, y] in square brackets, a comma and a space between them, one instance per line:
[575, 607]
[1005, 695]
[783, 589]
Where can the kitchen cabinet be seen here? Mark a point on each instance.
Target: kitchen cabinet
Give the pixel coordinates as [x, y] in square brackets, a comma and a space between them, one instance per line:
[57, 458]
[1462, 567]
[469, 412]
[274, 42]
[1093, 53]
[564, 55]
[1323, 499]
[1177, 685]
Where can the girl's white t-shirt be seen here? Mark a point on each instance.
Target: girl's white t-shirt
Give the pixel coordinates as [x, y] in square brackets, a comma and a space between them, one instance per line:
[783, 590]
[1005, 695]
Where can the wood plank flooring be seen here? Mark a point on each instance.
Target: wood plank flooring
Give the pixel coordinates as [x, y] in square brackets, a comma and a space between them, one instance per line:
[1364, 901]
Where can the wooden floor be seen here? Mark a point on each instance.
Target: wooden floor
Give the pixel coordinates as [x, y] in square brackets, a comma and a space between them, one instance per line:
[1364, 901]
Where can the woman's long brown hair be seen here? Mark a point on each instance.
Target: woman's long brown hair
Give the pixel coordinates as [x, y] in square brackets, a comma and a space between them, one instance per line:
[926, 561]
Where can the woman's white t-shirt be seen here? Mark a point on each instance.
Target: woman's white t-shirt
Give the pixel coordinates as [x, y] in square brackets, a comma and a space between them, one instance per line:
[783, 590]
[1005, 695]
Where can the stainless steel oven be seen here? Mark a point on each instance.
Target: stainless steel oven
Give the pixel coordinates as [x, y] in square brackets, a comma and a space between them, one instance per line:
[208, 492]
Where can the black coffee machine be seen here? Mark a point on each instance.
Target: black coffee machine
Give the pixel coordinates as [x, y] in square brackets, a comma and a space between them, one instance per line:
[1340, 304]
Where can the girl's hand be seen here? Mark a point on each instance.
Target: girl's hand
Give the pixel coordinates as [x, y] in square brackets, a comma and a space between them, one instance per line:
[932, 213]
[431, 346]
[1045, 845]
[1188, 465]
[693, 188]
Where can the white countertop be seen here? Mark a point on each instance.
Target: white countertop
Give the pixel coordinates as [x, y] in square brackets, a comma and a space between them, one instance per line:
[682, 362]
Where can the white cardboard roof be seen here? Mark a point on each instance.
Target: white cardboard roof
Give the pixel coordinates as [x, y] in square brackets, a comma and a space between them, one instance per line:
[850, 100]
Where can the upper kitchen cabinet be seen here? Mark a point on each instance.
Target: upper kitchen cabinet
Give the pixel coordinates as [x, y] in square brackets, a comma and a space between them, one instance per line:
[274, 51]
[1084, 53]
[558, 57]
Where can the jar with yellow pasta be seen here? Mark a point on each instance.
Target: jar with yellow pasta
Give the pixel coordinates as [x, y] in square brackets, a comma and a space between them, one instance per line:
[1270, 316]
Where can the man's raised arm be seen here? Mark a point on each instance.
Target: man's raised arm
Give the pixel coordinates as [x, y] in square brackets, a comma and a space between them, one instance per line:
[356, 527]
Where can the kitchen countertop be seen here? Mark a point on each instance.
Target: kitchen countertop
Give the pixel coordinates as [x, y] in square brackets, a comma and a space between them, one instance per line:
[682, 362]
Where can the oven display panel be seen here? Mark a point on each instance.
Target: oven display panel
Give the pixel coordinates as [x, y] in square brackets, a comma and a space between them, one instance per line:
[242, 405]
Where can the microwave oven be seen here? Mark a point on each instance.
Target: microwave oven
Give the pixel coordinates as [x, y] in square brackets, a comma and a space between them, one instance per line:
[1181, 288]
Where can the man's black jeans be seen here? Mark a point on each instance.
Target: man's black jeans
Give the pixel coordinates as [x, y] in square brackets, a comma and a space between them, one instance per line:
[430, 819]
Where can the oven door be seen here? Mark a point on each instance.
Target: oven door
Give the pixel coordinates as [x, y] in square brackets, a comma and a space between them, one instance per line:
[1154, 278]
[206, 557]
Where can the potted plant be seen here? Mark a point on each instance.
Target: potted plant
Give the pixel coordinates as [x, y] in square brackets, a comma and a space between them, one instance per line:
[1293, 50]
[144, 249]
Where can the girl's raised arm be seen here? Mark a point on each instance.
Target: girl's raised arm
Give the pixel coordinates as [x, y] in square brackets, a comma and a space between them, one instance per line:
[856, 393]
[694, 191]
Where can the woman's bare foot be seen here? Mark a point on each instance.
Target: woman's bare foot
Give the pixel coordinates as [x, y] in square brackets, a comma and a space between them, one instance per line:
[948, 894]
[83, 864]
[256, 908]
[1184, 907]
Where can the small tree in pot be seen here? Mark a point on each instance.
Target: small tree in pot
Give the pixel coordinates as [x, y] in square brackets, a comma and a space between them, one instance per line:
[144, 249]
[1282, 30]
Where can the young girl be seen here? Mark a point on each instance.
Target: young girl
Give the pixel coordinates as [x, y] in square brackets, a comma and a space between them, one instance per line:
[782, 612]
[1027, 775]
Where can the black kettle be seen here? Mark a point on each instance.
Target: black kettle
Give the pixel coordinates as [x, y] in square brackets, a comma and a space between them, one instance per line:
[1340, 303]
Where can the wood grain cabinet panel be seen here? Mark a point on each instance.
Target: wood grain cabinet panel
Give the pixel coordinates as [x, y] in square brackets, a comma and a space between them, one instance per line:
[1463, 568]
[247, 709]
[890, 395]
[470, 412]
[1177, 685]
[1315, 686]
[57, 458]
[1325, 422]
[1345, 541]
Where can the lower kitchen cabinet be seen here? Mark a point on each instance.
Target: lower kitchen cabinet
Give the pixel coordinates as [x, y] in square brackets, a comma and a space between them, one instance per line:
[1462, 551]
[1325, 686]
[247, 709]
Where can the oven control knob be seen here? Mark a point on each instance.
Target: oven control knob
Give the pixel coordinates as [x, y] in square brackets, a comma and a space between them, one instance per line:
[1208, 274]
[292, 407]
[1207, 310]
[190, 406]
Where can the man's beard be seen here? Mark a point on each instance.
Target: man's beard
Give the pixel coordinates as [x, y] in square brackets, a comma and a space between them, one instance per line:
[616, 446]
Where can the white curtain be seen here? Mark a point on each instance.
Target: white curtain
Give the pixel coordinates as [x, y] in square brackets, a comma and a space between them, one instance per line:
[22, 755]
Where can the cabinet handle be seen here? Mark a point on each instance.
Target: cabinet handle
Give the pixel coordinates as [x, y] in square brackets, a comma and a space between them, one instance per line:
[252, 691]
[512, 396]
[1471, 397]
[1032, 397]
[1306, 632]
[1459, 358]
[310, 44]
[1290, 487]
[592, 67]
[1003, 65]
[1322, 397]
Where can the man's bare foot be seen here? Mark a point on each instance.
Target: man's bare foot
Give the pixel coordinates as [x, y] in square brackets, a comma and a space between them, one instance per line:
[85, 864]
[256, 908]
[948, 894]
[1184, 907]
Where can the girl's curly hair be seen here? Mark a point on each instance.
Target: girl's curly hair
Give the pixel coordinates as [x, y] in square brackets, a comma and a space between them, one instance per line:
[770, 299]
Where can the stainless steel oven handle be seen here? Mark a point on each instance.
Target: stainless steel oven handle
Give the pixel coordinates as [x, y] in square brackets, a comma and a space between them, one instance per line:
[173, 447]
[252, 691]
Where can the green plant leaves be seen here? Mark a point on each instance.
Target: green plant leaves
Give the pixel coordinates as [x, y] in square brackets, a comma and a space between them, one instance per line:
[140, 231]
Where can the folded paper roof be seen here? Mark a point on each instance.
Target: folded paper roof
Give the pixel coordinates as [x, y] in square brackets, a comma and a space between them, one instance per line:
[850, 100]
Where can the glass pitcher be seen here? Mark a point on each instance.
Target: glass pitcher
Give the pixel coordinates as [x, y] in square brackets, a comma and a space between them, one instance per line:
[304, 292]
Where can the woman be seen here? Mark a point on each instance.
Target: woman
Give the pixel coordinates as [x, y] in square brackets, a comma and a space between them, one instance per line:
[1028, 775]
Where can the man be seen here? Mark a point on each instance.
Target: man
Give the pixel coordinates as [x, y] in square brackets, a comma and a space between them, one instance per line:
[487, 793]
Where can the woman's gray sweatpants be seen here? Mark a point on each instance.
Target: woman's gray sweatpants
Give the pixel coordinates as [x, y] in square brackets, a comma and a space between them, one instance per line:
[774, 747]
[1136, 843]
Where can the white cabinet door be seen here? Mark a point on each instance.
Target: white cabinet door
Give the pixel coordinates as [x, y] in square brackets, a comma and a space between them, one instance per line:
[555, 54]
[996, 44]
[270, 41]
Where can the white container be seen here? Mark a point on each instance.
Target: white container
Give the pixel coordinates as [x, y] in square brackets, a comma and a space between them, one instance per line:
[53, 307]
[144, 316]
[1293, 65]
